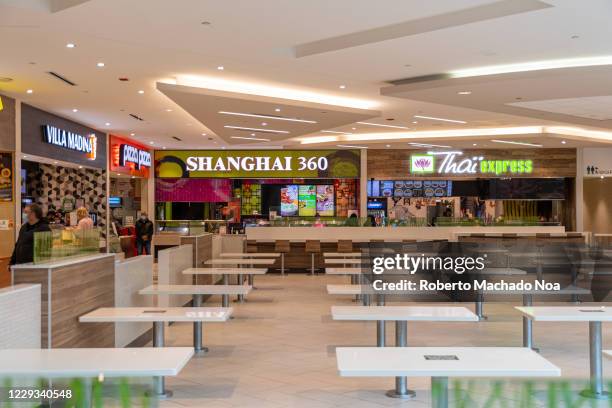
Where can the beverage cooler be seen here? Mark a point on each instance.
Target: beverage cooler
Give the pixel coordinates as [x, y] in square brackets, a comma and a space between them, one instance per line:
[377, 207]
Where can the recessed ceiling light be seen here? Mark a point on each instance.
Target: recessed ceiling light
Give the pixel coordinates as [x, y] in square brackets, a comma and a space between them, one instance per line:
[353, 146]
[439, 119]
[387, 146]
[252, 134]
[25, 157]
[474, 144]
[100, 64]
[133, 177]
[164, 147]
[80, 167]
[277, 110]
[387, 126]
[251, 138]
[516, 143]
[264, 124]
[334, 131]
[29, 91]
[168, 110]
[203, 134]
[415, 122]
[253, 115]
[563, 142]
[54, 162]
[601, 177]
[132, 134]
[107, 124]
[70, 45]
[152, 142]
[223, 147]
[141, 92]
[255, 129]
[464, 93]
[342, 87]
[75, 110]
[354, 128]
[220, 67]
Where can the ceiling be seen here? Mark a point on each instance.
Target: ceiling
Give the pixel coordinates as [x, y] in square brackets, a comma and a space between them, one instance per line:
[341, 56]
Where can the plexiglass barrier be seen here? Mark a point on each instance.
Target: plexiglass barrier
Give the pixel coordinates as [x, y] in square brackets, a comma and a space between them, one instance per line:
[62, 243]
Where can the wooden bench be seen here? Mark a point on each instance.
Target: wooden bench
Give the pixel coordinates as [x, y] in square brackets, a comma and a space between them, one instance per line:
[440, 363]
[95, 362]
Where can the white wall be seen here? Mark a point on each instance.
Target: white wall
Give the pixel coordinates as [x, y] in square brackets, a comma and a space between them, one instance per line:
[20, 311]
[132, 275]
[171, 263]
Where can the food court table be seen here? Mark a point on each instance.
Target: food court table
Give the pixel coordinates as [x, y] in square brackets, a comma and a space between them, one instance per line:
[401, 315]
[158, 316]
[595, 316]
[226, 272]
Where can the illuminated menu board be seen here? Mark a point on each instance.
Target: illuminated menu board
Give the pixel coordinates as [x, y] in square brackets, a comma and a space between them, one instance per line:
[307, 201]
[325, 200]
[289, 201]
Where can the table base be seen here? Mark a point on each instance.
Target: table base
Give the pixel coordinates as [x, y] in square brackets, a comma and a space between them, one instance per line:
[407, 394]
[604, 395]
[401, 390]
[159, 383]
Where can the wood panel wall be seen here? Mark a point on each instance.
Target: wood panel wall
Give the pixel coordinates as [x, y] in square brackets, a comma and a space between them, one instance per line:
[392, 164]
[75, 290]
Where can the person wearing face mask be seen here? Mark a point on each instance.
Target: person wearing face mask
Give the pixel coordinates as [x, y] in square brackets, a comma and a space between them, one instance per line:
[144, 234]
[33, 222]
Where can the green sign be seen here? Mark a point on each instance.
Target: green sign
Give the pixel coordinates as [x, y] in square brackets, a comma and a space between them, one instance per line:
[257, 164]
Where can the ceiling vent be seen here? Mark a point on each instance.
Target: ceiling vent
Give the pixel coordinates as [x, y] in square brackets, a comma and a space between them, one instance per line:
[137, 117]
[61, 78]
[177, 138]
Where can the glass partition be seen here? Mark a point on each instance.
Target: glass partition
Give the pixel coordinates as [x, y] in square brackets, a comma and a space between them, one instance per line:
[62, 243]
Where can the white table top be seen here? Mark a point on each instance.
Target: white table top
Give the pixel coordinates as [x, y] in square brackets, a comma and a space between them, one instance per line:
[342, 254]
[239, 261]
[472, 362]
[225, 271]
[196, 290]
[499, 271]
[607, 353]
[157, 314]
[91, 362]
[404, 313]
[347, 261]
[569, 290]
[250, 255]
[352, 290]
[567, 313]
[343, 271]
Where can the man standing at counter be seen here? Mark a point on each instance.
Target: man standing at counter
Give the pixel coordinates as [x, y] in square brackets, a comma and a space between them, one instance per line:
[24, 247]
[144, 234]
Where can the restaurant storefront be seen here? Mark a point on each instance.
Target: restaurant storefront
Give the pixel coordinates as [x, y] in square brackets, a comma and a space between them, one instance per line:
[63, 168]
[485, 187]
[7, 185]
[255, 187]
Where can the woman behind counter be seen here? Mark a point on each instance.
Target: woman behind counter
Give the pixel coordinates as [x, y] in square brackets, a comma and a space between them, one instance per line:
[85, 222]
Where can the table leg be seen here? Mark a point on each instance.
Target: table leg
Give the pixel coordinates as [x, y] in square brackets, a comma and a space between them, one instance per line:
[380, 325]
[439, 392]
[159, 383]
[596, 382]
[401, 387]
[225, 297]
[240, 298]
[479, 305]
[197, 328]
[528, 325]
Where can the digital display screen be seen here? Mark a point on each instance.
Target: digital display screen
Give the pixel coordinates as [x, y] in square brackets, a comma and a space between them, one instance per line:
[325, 200]
[375, 205]
[307, 201]
[289, 201]
[114, 201]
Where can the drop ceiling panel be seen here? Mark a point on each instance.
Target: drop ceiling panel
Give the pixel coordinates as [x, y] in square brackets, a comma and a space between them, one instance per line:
[230, 115]
[594, 107]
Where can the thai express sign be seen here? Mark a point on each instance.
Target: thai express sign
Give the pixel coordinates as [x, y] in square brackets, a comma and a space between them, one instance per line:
[257, 164]
[71, 141]
[456, 163]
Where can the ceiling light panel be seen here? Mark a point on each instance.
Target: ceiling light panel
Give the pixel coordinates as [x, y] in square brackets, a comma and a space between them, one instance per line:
[253, 115]
[251, 138]
[516, 143]
[439, 119]
[256, 129]
[380, 125]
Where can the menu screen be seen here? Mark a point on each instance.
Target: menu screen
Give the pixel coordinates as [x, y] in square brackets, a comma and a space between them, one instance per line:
[289, 201]
[325, 200]
[307, 201]
[414, 188]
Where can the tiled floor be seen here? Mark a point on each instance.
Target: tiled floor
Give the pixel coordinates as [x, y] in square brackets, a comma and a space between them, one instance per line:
[279, 350]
